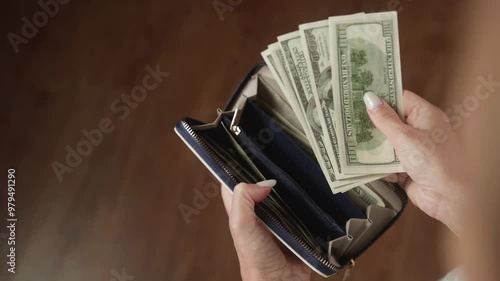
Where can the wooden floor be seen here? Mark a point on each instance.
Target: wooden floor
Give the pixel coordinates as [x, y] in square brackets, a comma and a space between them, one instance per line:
[118, 209]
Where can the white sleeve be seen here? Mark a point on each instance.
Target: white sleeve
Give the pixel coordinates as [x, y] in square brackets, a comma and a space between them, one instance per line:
[454, 275]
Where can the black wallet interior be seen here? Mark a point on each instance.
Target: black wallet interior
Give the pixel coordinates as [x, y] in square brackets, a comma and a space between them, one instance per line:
[257, 137]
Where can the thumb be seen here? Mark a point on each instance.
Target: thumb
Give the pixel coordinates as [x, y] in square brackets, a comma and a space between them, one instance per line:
[384, 117]
[242, 216]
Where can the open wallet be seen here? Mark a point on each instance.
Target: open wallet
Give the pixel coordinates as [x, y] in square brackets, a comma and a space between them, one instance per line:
[257, 137]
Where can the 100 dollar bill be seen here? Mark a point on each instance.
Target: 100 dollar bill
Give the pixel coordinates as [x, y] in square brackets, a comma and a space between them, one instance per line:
[297, 70]
[293, 55]
[365, 57]
[317, 55]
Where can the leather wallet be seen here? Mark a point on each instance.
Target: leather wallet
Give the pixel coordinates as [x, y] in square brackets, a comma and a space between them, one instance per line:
[256, 137]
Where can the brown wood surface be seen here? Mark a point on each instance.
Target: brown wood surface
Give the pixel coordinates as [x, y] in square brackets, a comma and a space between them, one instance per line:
[119, 208]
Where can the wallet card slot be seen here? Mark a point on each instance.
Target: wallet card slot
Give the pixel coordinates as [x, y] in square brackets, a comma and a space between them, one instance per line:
[337, 248]
[378, 219]
[360, 233]
[355, 228]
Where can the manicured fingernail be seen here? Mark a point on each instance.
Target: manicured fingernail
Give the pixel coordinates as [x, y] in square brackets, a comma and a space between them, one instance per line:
[267, 183]
[372, 101]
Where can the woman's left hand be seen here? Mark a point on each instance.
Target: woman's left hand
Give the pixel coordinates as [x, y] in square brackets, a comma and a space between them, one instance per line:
[260, 256]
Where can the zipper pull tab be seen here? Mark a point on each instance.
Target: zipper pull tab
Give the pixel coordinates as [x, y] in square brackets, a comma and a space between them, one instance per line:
[236, 121]
[347, 272]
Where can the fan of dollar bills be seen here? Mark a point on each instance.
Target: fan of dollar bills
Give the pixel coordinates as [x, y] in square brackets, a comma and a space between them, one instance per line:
[324, 69]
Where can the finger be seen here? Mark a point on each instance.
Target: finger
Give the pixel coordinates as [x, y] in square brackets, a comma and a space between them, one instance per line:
[416, 108]
[242, 217]
[412, 189]
[391, 178]
[384, 117]
[411, 102]
[227, 197]
[399, 178]
[403, 179]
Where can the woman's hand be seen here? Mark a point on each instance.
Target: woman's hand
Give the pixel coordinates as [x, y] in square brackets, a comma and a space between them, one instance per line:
[260, 255]
[437, 176]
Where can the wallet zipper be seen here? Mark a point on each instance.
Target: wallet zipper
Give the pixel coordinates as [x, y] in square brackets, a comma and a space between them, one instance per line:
[265, 210]
[398, 193]
[208, 150]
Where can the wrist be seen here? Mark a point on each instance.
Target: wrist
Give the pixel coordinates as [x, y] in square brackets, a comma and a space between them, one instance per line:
[449, 215]
[257, 277]
[302, 273]
[451, 210]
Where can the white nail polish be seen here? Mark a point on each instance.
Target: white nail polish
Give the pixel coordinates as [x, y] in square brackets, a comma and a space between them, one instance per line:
[372, 101]
[267, 183]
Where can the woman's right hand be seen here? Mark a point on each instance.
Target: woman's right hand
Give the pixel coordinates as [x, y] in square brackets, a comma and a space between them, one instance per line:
[437, 176]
